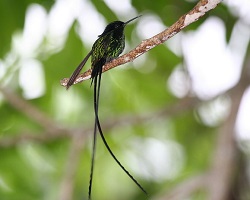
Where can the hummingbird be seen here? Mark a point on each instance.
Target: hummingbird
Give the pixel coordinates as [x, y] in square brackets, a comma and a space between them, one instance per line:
[109, 45]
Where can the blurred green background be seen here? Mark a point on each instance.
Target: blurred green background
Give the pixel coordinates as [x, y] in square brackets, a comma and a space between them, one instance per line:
[177, 117]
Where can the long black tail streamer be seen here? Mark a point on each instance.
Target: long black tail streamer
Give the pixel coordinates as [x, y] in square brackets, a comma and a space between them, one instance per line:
[92, 162]
[97, 84]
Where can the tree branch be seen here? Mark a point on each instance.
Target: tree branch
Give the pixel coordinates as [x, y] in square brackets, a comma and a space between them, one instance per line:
[172, 110]
[218, 179]
[201, 8]
[31, 111]
[224, 159]
[67, 185]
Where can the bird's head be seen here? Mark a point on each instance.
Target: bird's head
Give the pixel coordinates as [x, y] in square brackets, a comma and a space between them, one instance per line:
[116, 25]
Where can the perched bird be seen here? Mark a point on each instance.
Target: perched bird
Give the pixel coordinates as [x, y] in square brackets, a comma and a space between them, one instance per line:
[109, 45]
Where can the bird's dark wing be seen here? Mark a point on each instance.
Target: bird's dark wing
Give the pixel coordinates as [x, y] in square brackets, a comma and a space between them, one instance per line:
[77, 71]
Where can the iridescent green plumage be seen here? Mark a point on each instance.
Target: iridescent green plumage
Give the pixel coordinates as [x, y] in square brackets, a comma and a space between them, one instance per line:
[108, 46]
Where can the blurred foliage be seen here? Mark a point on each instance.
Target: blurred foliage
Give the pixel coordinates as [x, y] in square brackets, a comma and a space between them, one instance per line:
[12, 13]
[34, 170]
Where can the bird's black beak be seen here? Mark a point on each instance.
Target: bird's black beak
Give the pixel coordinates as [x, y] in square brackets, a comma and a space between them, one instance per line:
[125, 23]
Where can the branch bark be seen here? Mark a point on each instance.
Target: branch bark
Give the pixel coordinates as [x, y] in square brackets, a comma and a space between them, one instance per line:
[201, 8]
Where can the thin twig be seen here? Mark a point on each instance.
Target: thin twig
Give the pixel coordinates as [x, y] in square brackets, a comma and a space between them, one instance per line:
[201, 8]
